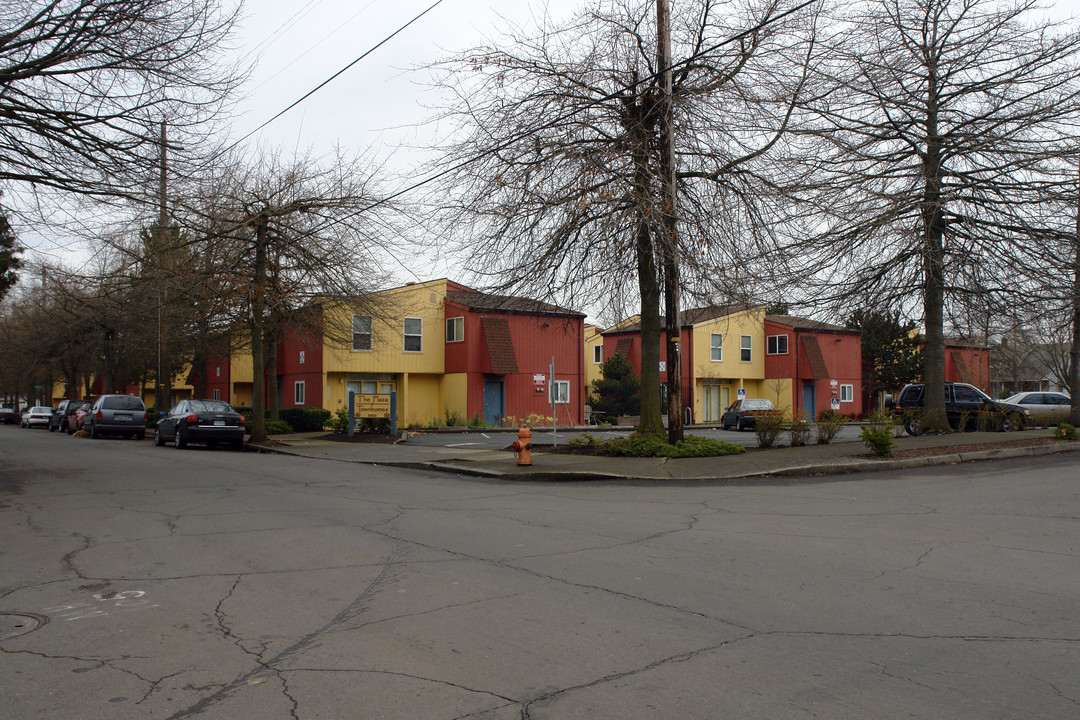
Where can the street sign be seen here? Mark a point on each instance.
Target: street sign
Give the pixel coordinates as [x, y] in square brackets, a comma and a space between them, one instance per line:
[742, 393]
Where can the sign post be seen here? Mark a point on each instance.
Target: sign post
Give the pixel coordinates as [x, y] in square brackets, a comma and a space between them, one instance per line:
[352, 417]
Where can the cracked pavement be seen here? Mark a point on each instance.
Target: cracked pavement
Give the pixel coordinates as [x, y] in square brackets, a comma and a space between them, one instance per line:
[213, 584]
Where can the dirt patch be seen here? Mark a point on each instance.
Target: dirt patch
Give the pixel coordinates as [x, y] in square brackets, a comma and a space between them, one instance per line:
[958, 449]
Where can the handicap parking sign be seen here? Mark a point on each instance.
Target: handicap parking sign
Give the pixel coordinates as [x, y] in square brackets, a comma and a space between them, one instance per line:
[742, 393]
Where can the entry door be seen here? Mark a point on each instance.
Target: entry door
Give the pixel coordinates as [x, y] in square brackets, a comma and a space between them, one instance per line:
[713, 409]
[725, 397]
[493, 402]
[809, 398]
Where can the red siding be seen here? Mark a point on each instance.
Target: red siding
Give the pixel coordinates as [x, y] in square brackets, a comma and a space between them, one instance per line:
[299, 343]
[977, 363]
[843, 359]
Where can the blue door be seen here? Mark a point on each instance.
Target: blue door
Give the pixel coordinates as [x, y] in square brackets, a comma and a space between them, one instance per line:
[809, 397]
[493, 402]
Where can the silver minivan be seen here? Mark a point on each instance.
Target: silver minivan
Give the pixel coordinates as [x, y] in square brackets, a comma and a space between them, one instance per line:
[118, 415]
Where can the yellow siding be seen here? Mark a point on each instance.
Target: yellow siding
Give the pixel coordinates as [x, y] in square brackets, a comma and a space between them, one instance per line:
[388, 310]
[455, 394]
[240, 365]
[779, 391]
[419, 404]
[593, 338]
[731, 367]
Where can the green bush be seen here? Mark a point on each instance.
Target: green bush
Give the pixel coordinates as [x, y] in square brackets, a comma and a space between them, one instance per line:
[477, 421]
[638, 445]
[277, 427]
[878, 433]
[768, 427]
[339, 422]
[799, 432]
[989, 420]
[451, 417]
[378, 426]
[583, 440]
[829, 424]
[305, 419]
[1065, 431]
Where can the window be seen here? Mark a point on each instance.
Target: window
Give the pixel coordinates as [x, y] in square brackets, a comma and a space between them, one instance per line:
[218, 369]
[847, 393]
[716, 346]
[777, 345]
[367, 387]
[747, 353]
[301, 357]
[966, 393]
[298, 392]
[598, 354]
[455, 329]
[414, 334]
[560, 391]
[361, 332]
[217, 394]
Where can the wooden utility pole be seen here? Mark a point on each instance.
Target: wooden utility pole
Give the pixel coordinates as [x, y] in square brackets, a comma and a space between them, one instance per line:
[163, 252]
[258, 365]
[669, 230]
[1074, 349]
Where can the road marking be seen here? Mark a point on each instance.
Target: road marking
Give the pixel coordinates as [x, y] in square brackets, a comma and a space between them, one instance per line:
[461, 444]
[126, 600]
[486, 435]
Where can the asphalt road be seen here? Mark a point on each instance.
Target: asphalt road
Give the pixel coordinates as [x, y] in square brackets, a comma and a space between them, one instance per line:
[143, 582]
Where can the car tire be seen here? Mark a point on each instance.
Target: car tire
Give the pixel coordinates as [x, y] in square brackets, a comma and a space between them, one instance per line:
[69, 430]
[51, 428]
[140, 435]
[159, 439]
[179, 442]
[237, 444]
[1012, 423]
[94, 432]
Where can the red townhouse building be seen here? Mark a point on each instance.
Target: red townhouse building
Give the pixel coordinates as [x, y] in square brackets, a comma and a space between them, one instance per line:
[821, 362]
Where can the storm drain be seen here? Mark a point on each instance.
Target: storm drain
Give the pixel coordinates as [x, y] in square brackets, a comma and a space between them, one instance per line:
[15, 624]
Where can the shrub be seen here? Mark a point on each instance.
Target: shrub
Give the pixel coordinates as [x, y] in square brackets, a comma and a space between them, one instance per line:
[339, 421]
[829, 425]
[638, 445]
[1065, 431]
[877, 434]
[799, 432]
[768, 427]
[477, 421]
[583, 440]
[963, 421]
[277, 427]
[1052, 419]
[305, 419]
[379, 426]
[989, 420]
[451, 417]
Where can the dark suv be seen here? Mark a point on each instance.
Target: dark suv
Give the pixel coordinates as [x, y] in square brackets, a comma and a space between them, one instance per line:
[118, 415]
[59, 419]
[962, 401]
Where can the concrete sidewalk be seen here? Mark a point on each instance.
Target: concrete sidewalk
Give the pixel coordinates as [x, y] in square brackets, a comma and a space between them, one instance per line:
[829, 459]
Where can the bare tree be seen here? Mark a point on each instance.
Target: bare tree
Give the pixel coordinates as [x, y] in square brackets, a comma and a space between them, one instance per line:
[83, 84]
[552, 168]
[922, 162]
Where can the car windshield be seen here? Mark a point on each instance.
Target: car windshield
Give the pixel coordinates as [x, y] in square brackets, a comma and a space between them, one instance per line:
[757, 405]
[209, 406]
[41, 409]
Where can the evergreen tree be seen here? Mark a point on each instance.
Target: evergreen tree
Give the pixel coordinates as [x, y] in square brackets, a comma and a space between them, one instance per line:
[890, 350]
[619, 392]
[9, 250]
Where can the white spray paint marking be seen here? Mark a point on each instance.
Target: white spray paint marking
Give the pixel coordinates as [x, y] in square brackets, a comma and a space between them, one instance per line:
[125, 601]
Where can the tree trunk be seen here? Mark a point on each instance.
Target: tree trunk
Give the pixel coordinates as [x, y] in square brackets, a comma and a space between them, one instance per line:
[258, 365]
[271, 378]
[933, 257]
[1074, 348]
[649, 421]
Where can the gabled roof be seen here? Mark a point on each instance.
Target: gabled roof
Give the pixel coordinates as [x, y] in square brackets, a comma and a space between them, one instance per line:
[688, 318]
[500, 346]
[807, 324]
[484, 302]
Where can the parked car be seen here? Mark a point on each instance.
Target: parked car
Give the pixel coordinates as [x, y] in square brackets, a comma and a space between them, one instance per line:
[960, 398]
[60, 415]
[37, 416]
[8, 416]
[1041, 403]
[201, 421]
[117, 415]
[743, 413]
[77, 417]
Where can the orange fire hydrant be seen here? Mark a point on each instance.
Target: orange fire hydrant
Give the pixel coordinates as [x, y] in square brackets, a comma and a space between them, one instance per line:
[523, 446]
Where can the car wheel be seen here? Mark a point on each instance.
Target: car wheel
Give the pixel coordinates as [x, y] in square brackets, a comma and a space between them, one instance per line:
[52, 428]
[1012, 423]
[140, 435]
[178, 442]
[94, 434]
[69, 430]
[159, 439]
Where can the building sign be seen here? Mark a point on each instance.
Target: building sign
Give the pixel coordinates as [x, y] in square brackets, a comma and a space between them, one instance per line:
[371, 406]
[663, 366]
[539, 378]
[742, 393]
[835, 403]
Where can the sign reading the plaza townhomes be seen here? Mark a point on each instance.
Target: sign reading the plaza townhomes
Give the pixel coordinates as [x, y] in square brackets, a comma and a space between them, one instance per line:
[371, 406]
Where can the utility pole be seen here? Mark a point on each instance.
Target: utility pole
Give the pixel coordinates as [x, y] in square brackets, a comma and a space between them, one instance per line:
[258, 383]
[669, 223]
[164, 385]
[1074, 349]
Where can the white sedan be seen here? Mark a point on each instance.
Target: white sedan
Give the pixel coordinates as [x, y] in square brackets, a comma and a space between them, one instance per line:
[1041, 403]
[38, 416]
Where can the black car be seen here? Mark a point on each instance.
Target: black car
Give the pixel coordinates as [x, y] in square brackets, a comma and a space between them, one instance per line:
[201, 421]
[8, 416]
[963, 402]
[744, 413]
[59, 419]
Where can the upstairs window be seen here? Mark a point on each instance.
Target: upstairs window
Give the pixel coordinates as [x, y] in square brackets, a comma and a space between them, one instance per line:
[746, 354]
[598, 354]
[455, 329]
[414, 334]
[777, 345]
[361, 332]
[716, 347]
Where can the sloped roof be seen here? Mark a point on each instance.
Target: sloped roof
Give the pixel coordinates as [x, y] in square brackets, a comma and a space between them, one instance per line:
[484, 302]
[500, 346]
[812, 350]
[807, 324]
[688, 318]
[623, 346]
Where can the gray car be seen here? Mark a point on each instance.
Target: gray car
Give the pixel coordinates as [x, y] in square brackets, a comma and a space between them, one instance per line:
[1041, 403]
[116, 415]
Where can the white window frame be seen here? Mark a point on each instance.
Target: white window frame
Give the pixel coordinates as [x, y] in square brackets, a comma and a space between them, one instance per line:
[217, 394]
[847, 393]
[598, 354]
[716, 349]
[772, 346]
[369, 334]
[299, 392]
[560, 391]
[455, 329]
[218, 369]
[746, 354]
[405, 335]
